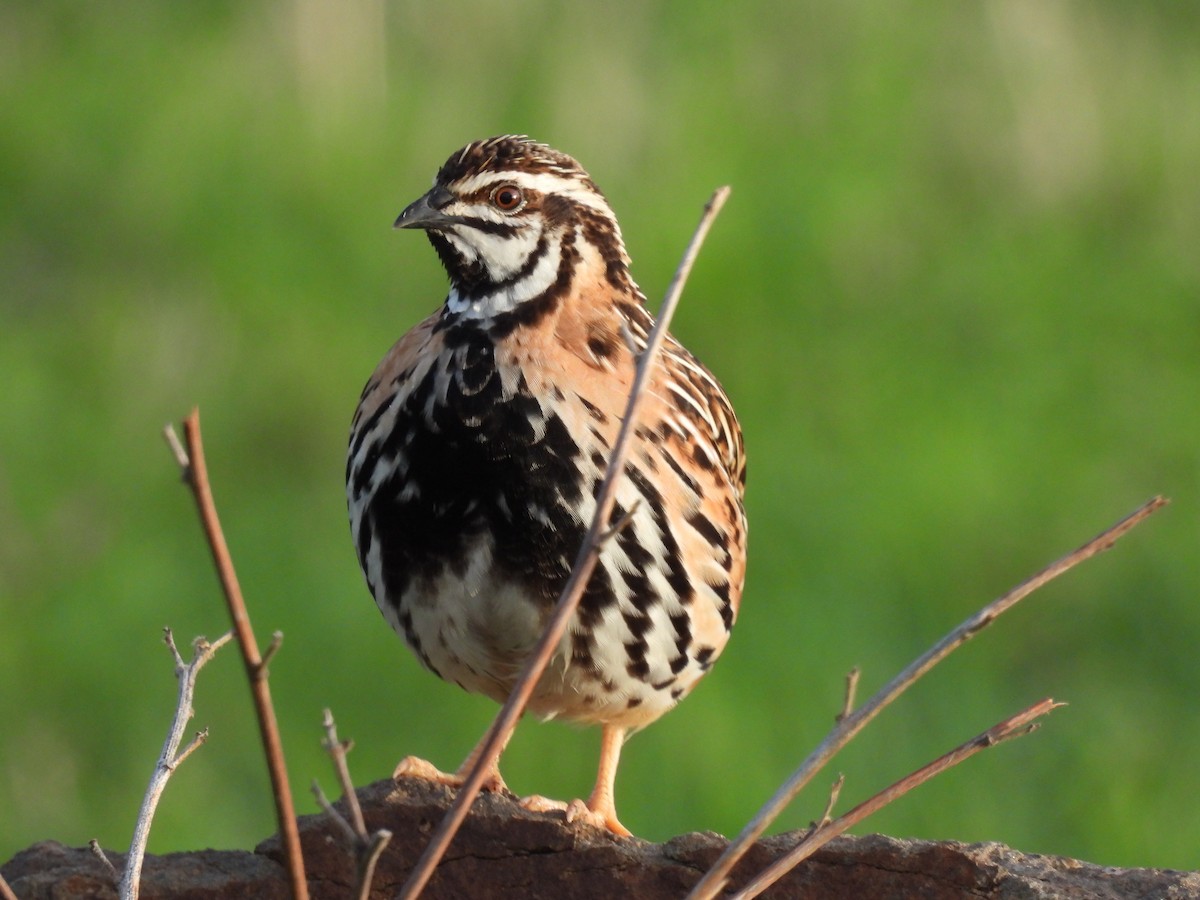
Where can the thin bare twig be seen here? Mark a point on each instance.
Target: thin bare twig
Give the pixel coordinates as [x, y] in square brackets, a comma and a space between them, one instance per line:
[1016, 726]
[835, 791]
[194, 744]
[180, 454]
[337, 751]
[851, 693]
[195, 474]
[620, 525]
[378, 840]
[343, 824]
[585, 561]
[272, 649]
[367, 847]
[851, 725]
[170, 757]
[98, 852]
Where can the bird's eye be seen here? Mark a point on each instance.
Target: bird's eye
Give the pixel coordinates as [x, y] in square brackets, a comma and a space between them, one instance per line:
[507, 198]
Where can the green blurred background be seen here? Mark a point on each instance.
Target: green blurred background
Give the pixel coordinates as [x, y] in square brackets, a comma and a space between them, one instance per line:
[954, 297]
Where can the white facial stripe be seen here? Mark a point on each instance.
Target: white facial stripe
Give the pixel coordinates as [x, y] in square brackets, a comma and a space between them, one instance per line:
[503, 254]
[542, 182]
[508, 298]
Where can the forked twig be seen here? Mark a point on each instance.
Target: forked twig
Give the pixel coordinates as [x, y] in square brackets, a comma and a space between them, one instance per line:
[585, 562]
[366, 846]
[835, 791]
[168, 760]
[850, 725]
[1016, 726]
[195, 475]
[337, 751]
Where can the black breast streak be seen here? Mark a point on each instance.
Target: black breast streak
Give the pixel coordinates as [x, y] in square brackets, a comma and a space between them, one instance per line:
[707, 530]
[642, 594]
[677, 575]
[478, 452]
[595, 412]
[689, 482]
[602, 342]
[360, 433]
[722, 591]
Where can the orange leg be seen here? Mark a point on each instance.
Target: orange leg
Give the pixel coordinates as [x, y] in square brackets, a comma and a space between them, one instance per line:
[601, 808]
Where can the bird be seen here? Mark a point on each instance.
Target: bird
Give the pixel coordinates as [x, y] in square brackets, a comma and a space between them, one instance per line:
[482, 437]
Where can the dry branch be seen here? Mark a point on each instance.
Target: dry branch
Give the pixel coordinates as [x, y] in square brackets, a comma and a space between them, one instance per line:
[850, 725]
[195, 475]
[168, 760]
[585, 561]
[98, 852]
[365, 846]
[1015, 726]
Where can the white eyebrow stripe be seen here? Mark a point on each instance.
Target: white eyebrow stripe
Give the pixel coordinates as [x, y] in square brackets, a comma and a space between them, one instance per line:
[542, 182]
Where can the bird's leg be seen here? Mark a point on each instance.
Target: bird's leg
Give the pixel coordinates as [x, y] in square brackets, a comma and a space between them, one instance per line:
[600, 809]
[415, 767]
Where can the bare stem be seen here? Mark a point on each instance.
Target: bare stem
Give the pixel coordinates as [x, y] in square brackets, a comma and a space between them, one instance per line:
[368, 860]
[1016, 726]
[337, 752]
[195, 474]
[272, 649]
[366, 847]
[585, 561]
[177, 450]
[339, 820]
[98, 852]
[851, 725]
[851, 693]
[193, 745]
[170, 757]
[835, 791]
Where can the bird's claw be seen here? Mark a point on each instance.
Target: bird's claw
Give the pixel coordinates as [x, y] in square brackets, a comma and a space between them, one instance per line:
[415, 767]
[576, 811]
[606, 820]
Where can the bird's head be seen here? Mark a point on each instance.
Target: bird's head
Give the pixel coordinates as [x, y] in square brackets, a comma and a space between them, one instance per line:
[509, 218]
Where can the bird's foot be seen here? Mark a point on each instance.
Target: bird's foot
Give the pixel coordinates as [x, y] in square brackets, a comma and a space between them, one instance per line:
[604, 819]
[578, 811]
[415, 767]
[539, 804]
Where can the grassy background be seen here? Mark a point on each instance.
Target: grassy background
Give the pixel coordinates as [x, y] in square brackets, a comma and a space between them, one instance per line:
[954, 297]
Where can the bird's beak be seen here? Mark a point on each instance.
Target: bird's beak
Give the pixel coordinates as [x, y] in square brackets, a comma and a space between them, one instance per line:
[426, 212]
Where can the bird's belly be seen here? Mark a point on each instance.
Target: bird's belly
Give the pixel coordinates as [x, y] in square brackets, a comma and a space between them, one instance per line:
[476, 627]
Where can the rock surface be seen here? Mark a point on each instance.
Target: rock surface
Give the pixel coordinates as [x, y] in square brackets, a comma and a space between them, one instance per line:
[506, 851]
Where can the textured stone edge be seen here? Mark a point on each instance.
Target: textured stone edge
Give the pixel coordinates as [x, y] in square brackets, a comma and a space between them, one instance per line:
[504, 850]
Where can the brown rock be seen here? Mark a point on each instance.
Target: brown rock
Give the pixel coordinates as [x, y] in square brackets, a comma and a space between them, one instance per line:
[506, 851]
